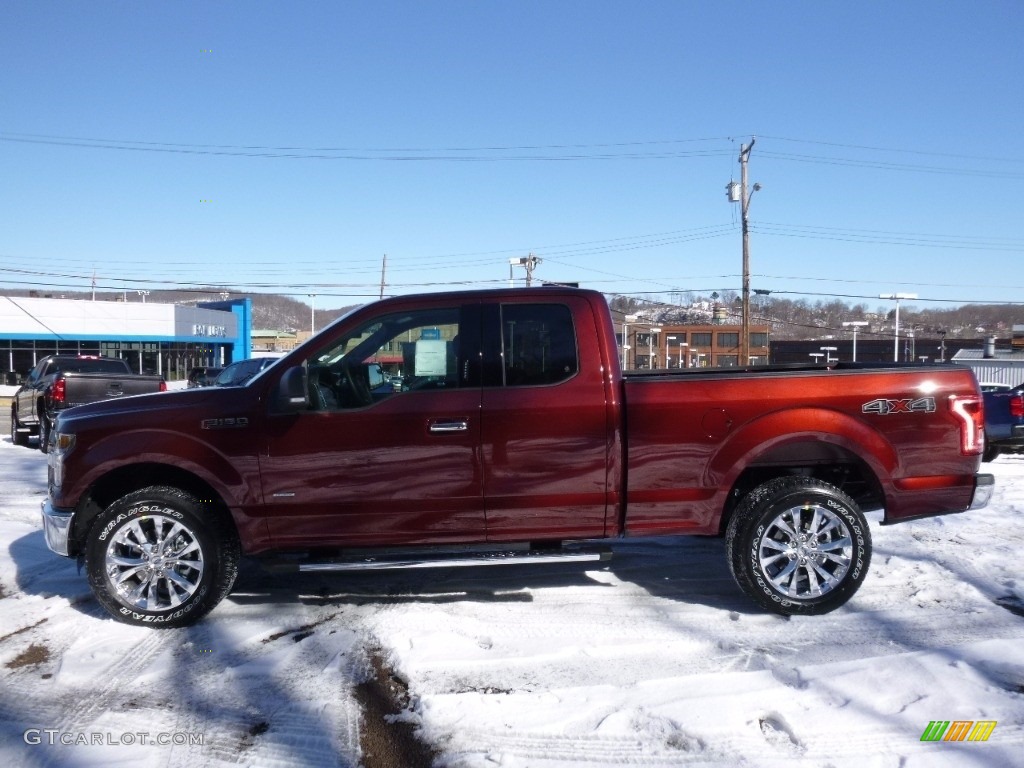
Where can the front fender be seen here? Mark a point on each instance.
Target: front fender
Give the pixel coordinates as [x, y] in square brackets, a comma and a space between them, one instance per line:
[234, 477]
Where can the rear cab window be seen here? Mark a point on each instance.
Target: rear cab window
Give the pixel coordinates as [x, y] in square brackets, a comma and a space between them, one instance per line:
[538, 344]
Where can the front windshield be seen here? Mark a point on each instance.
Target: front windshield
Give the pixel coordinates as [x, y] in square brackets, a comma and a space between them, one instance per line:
[242, 372]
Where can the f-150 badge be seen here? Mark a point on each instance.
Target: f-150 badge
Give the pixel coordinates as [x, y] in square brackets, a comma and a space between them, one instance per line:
[239, 422]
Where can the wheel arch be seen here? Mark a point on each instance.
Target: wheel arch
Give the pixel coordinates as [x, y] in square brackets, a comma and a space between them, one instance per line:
[855, 461]
[133, 477]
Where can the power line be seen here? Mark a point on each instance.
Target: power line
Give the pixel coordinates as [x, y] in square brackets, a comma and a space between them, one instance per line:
[880, 237]
[887, 166]
[450, 154]
[628, 150]
[915, 151]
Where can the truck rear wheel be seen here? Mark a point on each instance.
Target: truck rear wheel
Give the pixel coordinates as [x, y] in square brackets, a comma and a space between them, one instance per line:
[158, 557]
[798, 545]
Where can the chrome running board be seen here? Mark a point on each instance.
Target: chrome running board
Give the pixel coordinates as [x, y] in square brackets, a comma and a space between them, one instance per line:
[527, 557]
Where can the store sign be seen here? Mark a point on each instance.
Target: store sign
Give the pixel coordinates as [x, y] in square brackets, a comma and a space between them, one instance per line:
[209, 330]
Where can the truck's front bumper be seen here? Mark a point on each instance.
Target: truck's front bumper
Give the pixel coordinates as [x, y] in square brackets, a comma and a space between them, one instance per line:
[984, 485]
[57, 527]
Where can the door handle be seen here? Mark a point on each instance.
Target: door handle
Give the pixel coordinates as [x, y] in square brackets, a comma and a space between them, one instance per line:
[449, 425]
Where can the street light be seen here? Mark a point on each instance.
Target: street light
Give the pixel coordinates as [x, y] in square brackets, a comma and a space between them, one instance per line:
[896, 339]
[626, 320]
[668, 351]
[828, 354]
[650, 346]
[816, 355]
[855, 324]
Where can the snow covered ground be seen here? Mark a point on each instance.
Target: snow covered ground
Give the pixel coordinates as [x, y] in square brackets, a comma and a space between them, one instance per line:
[655, 659]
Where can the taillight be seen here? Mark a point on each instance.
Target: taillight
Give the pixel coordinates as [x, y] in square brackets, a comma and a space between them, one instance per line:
[59, 390]
[1017, 406]
[971, 414]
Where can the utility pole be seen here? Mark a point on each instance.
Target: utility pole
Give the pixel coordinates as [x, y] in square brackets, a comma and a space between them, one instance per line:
[383, 272]
[528, 262]
[531, 264]
[744, 201]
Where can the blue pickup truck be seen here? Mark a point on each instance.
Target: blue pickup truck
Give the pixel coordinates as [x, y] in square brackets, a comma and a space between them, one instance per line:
[1004, 419]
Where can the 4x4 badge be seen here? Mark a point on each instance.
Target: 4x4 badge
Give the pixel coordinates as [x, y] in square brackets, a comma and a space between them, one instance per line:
[885, 407]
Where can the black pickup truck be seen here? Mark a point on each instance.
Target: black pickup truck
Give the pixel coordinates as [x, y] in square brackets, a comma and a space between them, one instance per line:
[63, 381]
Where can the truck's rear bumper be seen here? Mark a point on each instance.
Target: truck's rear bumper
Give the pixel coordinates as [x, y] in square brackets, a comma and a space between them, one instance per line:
[984, 485]
[940, 499]
[57, 527]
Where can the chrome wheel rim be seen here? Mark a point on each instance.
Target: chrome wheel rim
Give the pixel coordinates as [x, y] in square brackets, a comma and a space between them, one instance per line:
[805, 552]
[154, 563]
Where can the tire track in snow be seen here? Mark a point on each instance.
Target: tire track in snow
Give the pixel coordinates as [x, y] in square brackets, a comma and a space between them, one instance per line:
[302, 714]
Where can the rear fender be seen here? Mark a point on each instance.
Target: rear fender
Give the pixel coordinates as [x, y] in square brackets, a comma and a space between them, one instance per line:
[758, 439]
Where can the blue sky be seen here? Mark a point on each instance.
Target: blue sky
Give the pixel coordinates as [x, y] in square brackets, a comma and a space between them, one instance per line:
[286, 147]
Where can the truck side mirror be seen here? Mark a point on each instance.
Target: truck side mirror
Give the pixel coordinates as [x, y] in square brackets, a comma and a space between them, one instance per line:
[292, 395]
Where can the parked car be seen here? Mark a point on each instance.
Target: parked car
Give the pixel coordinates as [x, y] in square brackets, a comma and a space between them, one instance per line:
[240, 371]
[515, 438]
[202, 377]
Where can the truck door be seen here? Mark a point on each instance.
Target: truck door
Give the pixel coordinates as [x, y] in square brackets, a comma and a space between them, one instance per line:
[28, 394]
[376, 461]
[547, 443]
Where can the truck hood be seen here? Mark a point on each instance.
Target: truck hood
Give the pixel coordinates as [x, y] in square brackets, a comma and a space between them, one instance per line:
[204, 398]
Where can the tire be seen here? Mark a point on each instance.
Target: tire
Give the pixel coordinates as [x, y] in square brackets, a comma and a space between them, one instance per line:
[160, 558]
[798, 546]
[44, 433]
[990, 453]
[18, 438]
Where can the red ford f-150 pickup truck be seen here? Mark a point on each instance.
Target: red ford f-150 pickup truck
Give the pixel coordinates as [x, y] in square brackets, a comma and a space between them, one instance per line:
[510, 436]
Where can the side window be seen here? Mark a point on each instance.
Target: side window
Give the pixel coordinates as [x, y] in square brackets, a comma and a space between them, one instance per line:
[538, 344]
[405, 352]
[37, 372]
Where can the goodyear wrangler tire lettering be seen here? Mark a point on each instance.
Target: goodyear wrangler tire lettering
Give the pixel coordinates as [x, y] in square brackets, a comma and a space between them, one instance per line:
[142, 509]
[798, 545]
[160, 557]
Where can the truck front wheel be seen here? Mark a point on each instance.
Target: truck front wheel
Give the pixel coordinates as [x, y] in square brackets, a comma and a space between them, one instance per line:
[158, 557]
[44, 433]
[798, 545]
[17, 436]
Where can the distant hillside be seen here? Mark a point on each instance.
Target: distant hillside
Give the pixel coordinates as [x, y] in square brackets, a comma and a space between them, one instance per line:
[788, 320]
[796, 320]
